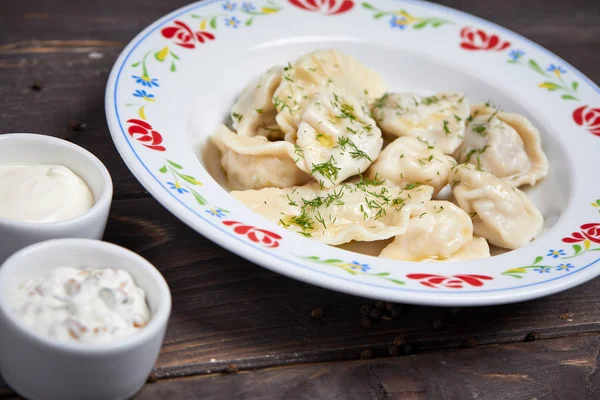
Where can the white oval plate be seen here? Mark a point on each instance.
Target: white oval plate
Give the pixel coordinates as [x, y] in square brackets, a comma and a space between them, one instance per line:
[176, 81]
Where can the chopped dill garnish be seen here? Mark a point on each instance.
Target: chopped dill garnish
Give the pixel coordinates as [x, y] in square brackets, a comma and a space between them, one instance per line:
[364, 182]
[472, 214]
[351, 130]
[347, 112]
[380, 102]
[327, 169]
[430, 100]
[446, 129]
[477, 152]
[303, 221]
[259, 110]
[280, 105]
[237, 117]
[440, 210]
[320, 219]
[298, 151]
[314, 203]
[480, 130]
[421, 216]
[411, 186]
[287, 78]
[356, 153]
[291, 202]
[457, 118]
[288, 67]
[334, 198]
[368, 127]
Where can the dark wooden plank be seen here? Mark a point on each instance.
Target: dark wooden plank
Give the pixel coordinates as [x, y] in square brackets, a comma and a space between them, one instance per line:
[551, 369]
[227, 310]
[48, 45]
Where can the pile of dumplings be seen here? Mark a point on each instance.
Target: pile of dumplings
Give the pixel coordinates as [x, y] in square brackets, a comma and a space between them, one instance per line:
[306, 151]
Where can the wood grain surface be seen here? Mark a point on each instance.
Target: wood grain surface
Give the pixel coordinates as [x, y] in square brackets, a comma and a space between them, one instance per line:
[54, 62]
[551, 369]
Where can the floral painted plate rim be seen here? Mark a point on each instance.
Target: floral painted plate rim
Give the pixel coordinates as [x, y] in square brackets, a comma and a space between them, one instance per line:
[145, 151]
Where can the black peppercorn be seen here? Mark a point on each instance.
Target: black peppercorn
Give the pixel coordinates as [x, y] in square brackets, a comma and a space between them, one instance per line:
[317, 313]
[365, 310]
[366, 322]
[375, 313]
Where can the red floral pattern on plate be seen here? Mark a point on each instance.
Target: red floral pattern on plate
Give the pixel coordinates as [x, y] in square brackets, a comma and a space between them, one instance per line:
[327, 7]
[266, 238]
[182, 35]
[478, 39]
[589, 118]
[452, 282]
[588, 232]
[145, 134]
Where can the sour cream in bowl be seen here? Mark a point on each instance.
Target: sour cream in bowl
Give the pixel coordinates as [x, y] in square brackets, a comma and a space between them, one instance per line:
[49, 188]
[80, 319]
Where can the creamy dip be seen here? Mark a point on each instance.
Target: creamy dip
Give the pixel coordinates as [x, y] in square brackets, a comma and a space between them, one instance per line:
[42, 193]
[82, 305]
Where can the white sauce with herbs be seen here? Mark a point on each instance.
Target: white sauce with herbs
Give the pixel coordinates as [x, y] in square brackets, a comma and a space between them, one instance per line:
[42, 193]
[82, 305]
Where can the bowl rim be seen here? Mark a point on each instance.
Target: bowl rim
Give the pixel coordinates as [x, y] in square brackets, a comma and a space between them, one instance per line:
[157, 323]
[100, 203]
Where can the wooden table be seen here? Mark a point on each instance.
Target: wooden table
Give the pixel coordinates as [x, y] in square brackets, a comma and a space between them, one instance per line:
[240, 331]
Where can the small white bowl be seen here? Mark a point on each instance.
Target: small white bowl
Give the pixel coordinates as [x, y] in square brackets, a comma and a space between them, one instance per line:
[27, 148]
[39, 367]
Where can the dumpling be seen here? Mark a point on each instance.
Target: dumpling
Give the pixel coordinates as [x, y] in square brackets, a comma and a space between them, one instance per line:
[253, 114]
[505, 144]
[501, 213]
[476, 249]
[337, 138]
[408, 160]
[361, 211]
[256, 163]
[439, 119]
[439, 232]
[322, 71]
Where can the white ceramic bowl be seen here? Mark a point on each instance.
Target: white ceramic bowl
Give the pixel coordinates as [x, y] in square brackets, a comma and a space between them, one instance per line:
[38, 367]
[177, 80]
[27, 148]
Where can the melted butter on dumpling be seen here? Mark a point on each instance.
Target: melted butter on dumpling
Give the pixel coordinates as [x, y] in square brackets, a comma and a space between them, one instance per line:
[501, 213]
[439, 232]
[253, 114]
[322, 71]
[438, 119]
[505, 144]
[476, 249]
[256, 163]
[338, 139]
[408, 160]
[361, 211]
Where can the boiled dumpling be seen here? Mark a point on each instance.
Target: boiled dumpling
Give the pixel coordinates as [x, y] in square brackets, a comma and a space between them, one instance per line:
[501, 213]
[476, 249]
[505, 144]
[337, 139]
[361, 211]
[439, 232]
[438, 119]
[256, 163]
[408, 160]
[253, 114]
[322, 71]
